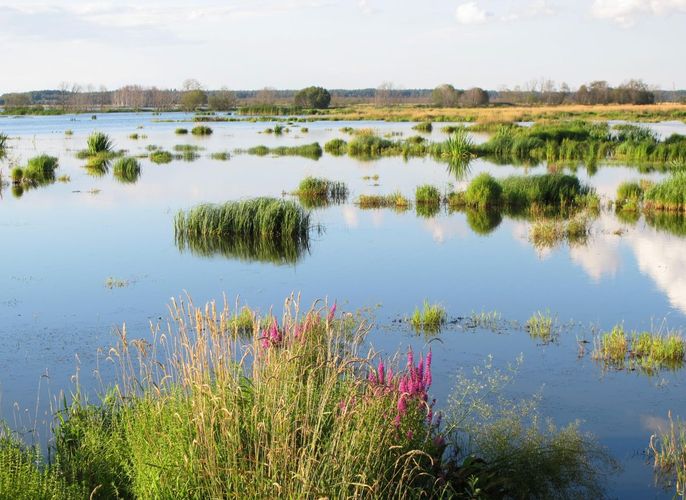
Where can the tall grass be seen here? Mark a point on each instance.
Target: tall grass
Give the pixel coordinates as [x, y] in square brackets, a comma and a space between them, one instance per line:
[40, 170]
[127, 170]
[98, 143]
[201, 130]
[629, 195]
[483, 192]
[260, 228]
[427, 195]
[316, 192]
[668, 449]
[425, 127]
[394, 200]
[429, 319]
[312, 151]
[336, 147]
[668, 195]
[160, 156]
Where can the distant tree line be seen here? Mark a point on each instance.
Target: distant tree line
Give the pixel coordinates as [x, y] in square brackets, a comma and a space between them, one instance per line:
[193, 96]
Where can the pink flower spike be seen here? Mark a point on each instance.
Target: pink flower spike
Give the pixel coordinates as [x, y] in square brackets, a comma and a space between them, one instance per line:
[410, 435]
[332, 312]
[381, 372]
[410, 359]
[420, 368]
[402, 405]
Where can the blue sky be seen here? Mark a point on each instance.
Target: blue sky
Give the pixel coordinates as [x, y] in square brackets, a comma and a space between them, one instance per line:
[341, 43]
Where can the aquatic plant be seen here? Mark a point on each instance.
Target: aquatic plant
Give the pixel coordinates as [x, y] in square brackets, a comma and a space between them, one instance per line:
[647, 351]
[17, 175]
[548, 232]
[458, 147]
[668, 195]
[629, 195]
[394, 200]
[40, 169]
[98, 143]
[426, 127]
[181, 131]
[316, 192]
[668, 449]
[69, 132]
[201, 130]
[336, 147]
[312, 151]
[160, 157]
[429, 319]
[221, 155]
[127, 170]
[427, 194]
[134, 136]
[483, 192]
[540, 326]
[256, 229]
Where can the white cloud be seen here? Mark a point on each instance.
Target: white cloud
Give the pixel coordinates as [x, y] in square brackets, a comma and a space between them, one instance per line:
[625, 12]
[471, 13]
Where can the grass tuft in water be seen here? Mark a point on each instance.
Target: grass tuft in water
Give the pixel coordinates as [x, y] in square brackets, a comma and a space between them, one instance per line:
[315, 192]
[394, 200]
[540, 326]
[161, 156]
[336, 147]
[427, 195]
[668, 449]
[201, 130]
[429, 319]
[127, 170]
[181, 131]
[425, 127]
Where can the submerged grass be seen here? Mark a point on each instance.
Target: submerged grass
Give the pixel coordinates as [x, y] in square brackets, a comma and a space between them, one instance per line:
[265, 229]
[668, 449]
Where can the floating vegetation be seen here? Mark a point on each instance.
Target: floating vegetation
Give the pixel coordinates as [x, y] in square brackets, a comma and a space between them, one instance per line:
[161, 157]
[374, 177]
[312, 151]
[201, 130]
[646, 351]
[304, 130]
[64, 178]
[127, 170]
[426, 127]
[668, 449]
[394, 200]
[112, 283]
[264, 229]
[69, 132]
[134, 136]
[429, 319]
[315, 192]
[184, 148]
[668, 195]
[221, 156]
[540, 326]
[181, 131]
[489, 320]
[336, 147]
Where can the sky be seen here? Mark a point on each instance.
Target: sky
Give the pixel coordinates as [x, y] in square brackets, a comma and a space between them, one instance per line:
[252, 44]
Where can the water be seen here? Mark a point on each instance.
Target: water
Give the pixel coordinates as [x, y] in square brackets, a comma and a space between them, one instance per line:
[60, 243]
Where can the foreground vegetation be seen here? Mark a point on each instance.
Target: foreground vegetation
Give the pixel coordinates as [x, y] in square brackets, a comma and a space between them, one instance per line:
[301, 411]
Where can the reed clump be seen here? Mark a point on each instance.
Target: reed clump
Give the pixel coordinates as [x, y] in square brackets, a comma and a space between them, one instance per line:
[314, 192]
[161, 157]
[127, 170]
[181, 131]
[264, 229]
[39, 170]
[336, 147]
[629, 196]
[541, 326]
[425, 127]
[668, 449]
[668, 195]
[312, 151]
[427, 195]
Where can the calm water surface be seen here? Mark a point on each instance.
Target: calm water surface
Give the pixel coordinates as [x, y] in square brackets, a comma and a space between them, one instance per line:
[60, 243]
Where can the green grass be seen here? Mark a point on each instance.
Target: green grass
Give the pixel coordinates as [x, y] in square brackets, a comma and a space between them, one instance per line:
[629, 195]
[483, 192]
[201, 130]
[668, 449]
[336, 147]
[221, 156]
[668, 195]
[161, 157]
[40, 170]
[312, 151]
[134, 136]
[263, 229]
[429, 319]
[69, 132]
[425, 127]
[647, 351]
[315, 192]
[99, 143]
[549, 232]
[540, 326]
[126, 170]
[394, 200]
[181, 131]
[427, 195]
[17, 175]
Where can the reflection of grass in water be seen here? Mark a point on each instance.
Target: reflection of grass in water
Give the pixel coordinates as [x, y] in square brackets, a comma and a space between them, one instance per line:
[668, 449]
[427, 210]
[263, 229]
[547, 232]
[483, 222]
[673, 223]
[646, 351]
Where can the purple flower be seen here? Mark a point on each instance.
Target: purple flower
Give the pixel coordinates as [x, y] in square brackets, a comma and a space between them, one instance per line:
[332, 312]
[402, 405]
[381, 372]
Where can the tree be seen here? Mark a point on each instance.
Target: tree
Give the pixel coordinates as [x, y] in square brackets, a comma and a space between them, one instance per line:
[474, 97]
[385, 94]
[16, 101]
[445, 96]
[221, 100]
[313, 97]
[193, 99]
[266, 96]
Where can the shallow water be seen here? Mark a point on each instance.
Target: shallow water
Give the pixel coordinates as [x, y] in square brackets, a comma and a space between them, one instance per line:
[61, 242]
